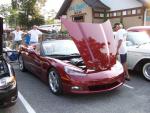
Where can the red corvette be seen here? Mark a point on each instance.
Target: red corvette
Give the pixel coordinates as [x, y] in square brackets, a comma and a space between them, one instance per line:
[84, 64]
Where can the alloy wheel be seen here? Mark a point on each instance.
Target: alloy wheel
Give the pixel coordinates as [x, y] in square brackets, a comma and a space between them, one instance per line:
[146, 71]
[54, 81]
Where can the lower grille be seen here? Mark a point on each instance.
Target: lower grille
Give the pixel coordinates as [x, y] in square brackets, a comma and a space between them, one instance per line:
[103, 87]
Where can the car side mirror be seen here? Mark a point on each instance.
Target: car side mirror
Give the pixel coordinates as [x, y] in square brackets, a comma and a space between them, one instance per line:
[129, 43]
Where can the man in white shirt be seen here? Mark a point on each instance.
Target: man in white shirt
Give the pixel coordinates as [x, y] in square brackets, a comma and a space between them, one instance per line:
[17, 37]
[35, 33]
[120, 37]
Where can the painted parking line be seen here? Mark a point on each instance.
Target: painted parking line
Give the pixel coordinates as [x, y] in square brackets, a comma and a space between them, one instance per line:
[128, 86]
[25, 103]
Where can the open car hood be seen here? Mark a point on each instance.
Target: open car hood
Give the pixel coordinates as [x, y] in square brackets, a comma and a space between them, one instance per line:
[95, 43]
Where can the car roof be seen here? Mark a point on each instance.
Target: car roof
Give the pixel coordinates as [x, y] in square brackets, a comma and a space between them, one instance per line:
[139, 28]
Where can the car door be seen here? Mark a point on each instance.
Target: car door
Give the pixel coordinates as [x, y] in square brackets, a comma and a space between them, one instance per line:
[41, 63]
[37, 64]
[37, 61]
[131, 53]
[27, 54]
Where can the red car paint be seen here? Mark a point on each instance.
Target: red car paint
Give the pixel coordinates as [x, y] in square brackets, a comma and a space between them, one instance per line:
[95, 43]
[97, 48]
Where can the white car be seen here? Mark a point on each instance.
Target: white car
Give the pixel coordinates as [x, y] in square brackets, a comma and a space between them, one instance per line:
[50, 28]
[138, 56]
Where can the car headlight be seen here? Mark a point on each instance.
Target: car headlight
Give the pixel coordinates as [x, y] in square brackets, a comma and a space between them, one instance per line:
[74, 71]
[7, 81]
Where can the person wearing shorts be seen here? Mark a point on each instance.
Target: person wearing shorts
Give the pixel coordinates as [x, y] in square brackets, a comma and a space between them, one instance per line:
[120, 37]
[17, 37]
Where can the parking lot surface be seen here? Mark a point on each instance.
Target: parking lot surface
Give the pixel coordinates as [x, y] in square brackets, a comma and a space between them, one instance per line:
[35, 97]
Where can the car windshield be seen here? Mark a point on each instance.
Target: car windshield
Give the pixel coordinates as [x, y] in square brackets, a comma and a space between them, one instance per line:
[60, 47]
[138, 38]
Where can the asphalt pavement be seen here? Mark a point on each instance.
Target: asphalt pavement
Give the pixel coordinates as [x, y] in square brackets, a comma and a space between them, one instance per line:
[35, 97]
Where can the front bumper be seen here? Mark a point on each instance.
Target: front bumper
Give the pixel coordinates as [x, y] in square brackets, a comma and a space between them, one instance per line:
[8, 96]
[94, 86]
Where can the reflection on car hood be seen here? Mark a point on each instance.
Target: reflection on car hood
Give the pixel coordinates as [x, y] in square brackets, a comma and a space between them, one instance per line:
[95, 43]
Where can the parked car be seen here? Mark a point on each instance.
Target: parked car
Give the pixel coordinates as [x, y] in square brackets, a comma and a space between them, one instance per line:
[139, 28]
[74, 67]
[58, 63]
[138, 43]
[8, 85]
[50, 28]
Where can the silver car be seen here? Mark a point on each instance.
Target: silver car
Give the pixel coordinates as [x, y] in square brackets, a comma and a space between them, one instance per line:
[138, 45]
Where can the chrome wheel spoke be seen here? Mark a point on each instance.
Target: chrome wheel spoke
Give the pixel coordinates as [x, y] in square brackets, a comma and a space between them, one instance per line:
[146, 71]
[53, 81]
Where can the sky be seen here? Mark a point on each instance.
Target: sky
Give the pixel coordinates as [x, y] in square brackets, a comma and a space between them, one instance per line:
[54, 4]
[51, 4]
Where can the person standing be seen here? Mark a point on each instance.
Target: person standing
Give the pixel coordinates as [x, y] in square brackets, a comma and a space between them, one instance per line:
[120, 37]
[17, 37]
[34, 35]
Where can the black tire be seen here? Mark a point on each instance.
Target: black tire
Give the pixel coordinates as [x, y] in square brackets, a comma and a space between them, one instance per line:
[146, 71]
[21, 64]
[54, 82]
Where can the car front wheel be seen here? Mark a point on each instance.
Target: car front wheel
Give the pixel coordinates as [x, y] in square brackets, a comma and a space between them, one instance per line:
[54, 82]
[146, 71]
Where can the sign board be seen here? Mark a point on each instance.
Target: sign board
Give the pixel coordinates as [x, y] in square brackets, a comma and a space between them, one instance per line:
[78, 7]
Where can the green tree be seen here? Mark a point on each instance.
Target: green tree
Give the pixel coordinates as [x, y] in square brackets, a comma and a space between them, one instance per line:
[14, 4]
[5, 12]
[13, 18]
[50, 21]
[29, 12]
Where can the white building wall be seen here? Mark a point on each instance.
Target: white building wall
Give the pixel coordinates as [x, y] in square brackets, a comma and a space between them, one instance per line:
[121, 4]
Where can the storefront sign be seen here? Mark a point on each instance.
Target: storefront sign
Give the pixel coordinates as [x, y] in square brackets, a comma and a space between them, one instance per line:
[78, 7]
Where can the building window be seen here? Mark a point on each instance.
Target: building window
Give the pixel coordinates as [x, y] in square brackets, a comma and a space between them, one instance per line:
[119, 13]
[96, 15]
[78, 18]
[124, 13]
[114, 14]
[139, 11]
[107, 14]
[129, 12]
[133, 12]
[101, 14]
[111, 14]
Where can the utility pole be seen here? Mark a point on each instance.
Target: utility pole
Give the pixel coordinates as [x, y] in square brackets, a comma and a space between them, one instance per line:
[1, 35]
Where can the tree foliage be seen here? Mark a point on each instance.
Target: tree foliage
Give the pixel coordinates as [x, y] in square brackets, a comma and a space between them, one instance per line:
[29, 12]
[5, 12]
[50, 21]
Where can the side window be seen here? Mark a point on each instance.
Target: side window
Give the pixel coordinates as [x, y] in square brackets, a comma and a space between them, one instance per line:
[129, 41]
